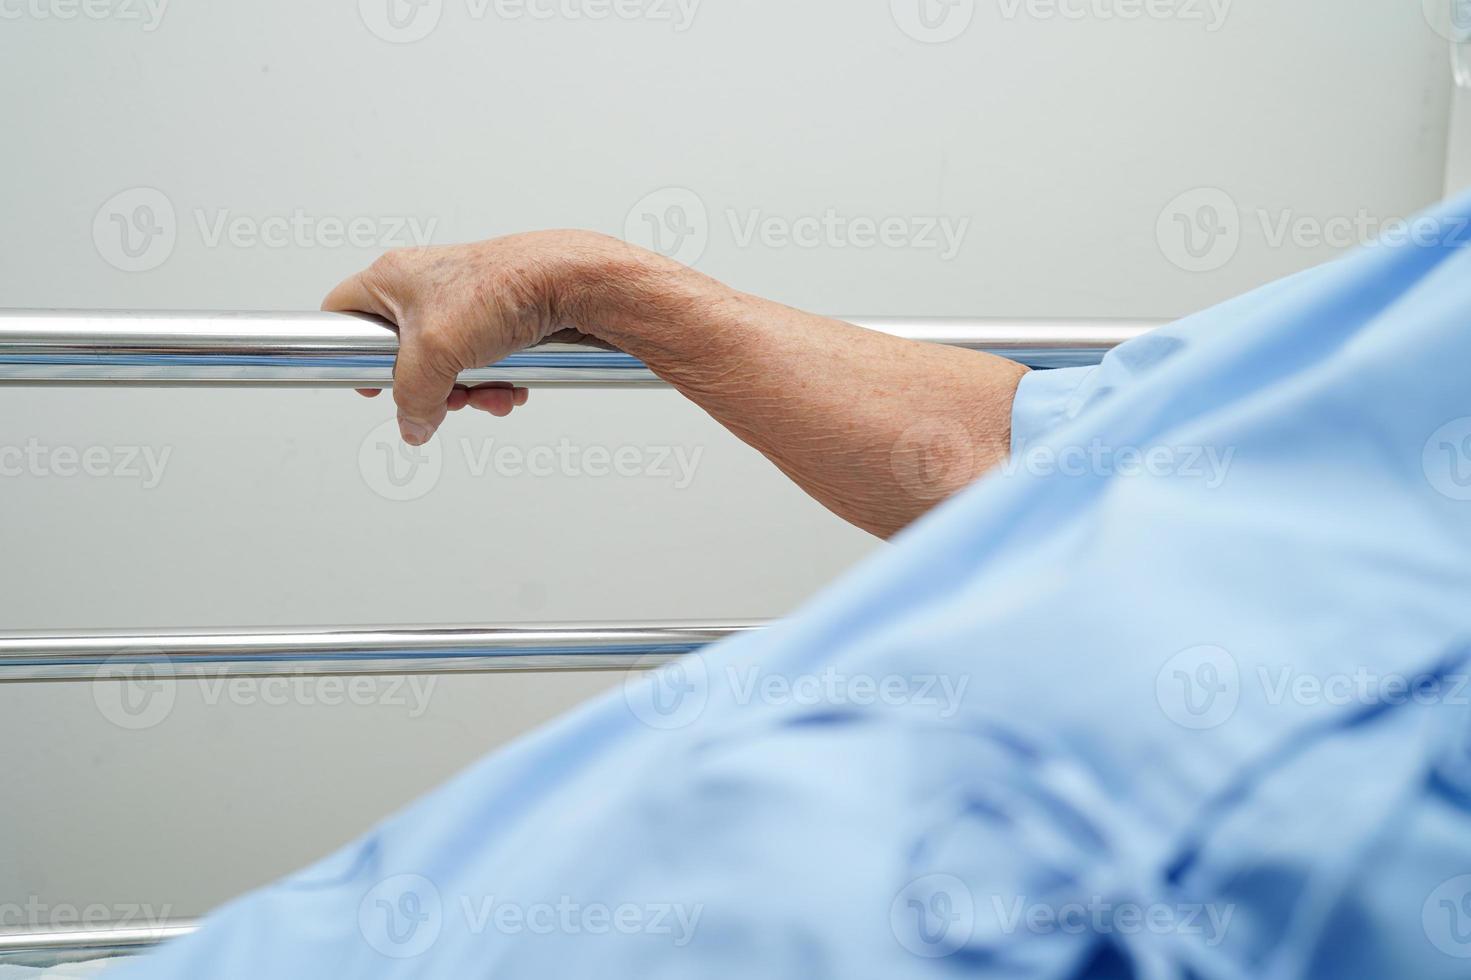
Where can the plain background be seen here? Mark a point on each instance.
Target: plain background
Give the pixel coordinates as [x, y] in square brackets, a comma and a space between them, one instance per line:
[1064, 142]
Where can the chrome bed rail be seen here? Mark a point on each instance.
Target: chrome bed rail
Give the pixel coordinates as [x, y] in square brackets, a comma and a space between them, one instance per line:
[80, 347]
[50, 947]
[161, 654]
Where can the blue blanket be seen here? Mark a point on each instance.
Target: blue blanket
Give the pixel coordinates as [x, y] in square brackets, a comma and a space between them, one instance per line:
[1180, 692]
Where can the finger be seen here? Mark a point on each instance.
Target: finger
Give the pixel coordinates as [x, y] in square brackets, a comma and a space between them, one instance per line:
[496, 401]
[521, 395]
[458, 398]
[497, 398]
[422, 382]
[369, 392]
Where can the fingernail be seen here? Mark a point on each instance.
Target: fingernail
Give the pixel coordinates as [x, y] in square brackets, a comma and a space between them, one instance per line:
[414, 433]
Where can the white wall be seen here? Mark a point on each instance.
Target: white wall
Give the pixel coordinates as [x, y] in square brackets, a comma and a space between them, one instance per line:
[1064, 145]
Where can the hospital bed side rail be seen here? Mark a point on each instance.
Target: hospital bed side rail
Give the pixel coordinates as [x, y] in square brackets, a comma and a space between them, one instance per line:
[65, 944]
[322, 350]
[159, 655]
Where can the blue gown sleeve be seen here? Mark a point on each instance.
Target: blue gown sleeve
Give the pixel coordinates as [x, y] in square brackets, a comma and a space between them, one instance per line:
[1047, 399]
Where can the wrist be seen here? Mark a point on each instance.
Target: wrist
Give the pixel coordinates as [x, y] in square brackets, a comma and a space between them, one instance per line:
[632, 298]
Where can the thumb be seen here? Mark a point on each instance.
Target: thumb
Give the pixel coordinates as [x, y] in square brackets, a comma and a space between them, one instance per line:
[425, 371]
[423, 377]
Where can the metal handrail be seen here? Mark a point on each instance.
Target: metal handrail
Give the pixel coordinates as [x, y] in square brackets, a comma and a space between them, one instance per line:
[46, 947]
[82, 347]
[96, 655]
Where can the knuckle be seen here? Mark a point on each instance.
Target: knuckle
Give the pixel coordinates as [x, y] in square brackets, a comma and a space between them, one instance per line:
[390, 261]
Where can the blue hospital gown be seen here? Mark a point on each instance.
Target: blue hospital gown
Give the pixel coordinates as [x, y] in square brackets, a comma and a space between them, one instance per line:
[1181, 692]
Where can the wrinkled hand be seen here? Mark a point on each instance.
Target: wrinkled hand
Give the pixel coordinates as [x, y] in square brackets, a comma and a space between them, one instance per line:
[459, 307]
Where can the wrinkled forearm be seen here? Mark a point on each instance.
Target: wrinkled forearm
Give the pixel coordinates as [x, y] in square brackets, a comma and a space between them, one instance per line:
[878, 429]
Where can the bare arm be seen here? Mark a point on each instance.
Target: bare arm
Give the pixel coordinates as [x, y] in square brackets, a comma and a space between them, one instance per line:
[876, 428]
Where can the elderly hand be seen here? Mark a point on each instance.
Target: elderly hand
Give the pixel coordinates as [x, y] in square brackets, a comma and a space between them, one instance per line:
[459, 307]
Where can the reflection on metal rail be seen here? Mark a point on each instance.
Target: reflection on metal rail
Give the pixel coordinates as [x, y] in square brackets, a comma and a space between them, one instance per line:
[51, 347]
[92, 655]
[52, 946]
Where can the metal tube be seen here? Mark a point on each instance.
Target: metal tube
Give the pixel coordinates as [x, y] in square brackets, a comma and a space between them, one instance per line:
[52, 946]
[78, 347]
[31, 656]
